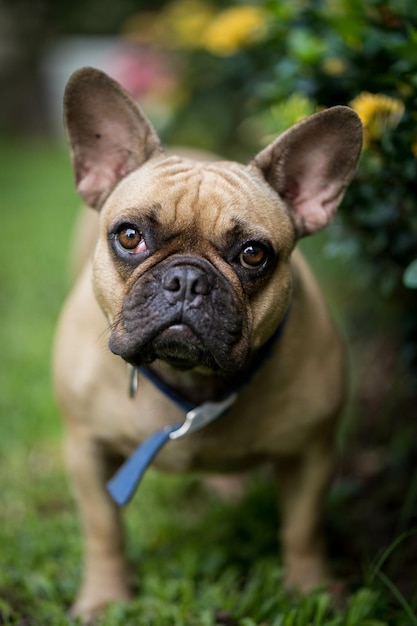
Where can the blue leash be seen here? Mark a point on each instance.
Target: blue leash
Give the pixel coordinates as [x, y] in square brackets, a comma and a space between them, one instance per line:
[124, 483]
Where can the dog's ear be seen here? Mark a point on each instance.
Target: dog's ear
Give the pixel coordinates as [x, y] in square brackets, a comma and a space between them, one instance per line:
[312, 163]
[108, 133]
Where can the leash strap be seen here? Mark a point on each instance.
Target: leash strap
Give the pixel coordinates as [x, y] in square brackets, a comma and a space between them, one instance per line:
[125, 482]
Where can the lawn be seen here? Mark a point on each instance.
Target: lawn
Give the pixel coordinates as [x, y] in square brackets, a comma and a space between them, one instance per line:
[198, 561]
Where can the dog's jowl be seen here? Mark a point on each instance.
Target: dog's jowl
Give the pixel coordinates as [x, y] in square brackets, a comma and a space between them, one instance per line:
[192, 278]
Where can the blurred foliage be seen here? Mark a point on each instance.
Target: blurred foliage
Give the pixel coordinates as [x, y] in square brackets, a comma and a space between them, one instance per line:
[248, 72]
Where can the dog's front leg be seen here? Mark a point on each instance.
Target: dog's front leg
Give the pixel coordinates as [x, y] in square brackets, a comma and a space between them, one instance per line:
[105, 571]
[304, 481]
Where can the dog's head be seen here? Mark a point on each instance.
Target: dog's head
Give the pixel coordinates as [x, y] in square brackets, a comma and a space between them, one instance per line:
[192, 264]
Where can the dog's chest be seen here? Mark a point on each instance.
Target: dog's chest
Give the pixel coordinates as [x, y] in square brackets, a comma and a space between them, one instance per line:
[250, 433]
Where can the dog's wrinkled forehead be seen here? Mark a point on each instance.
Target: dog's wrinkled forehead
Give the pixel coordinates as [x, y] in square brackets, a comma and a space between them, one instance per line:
[201, 197]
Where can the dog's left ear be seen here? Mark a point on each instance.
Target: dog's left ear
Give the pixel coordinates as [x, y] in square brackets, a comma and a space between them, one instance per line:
[312, 163]
[109, 135]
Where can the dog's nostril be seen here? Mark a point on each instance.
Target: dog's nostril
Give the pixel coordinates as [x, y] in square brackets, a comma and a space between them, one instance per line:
[199, 285]
[171, 283]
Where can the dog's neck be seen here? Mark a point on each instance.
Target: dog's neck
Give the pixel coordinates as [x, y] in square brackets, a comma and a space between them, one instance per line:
[196, 386]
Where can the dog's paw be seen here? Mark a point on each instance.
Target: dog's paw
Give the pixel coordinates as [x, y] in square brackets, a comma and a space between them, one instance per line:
[90, 604]
[305, 574]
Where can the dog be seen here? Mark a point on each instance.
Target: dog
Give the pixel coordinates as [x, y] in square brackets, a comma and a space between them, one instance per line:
[195, 281]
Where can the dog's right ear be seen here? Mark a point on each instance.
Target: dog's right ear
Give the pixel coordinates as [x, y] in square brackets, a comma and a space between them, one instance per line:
[108, 133]
[311, 164]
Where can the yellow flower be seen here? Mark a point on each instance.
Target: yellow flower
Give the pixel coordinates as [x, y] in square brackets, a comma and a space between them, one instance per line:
[185, 22]
[234, 28]
[179, 24]
[334, 66]
[378, 113]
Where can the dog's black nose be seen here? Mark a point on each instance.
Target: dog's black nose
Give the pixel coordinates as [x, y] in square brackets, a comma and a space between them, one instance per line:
[186, 283]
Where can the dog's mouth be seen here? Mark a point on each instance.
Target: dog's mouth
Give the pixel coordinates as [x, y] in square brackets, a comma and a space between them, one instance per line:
[179, 346]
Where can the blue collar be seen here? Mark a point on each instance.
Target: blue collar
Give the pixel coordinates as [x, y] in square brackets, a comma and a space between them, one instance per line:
[124, 483]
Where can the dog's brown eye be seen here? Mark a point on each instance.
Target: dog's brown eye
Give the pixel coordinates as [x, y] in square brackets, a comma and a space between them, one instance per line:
[131, 239]
[252, 256]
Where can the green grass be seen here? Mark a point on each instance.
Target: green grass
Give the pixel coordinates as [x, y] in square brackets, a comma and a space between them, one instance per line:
[197, 561]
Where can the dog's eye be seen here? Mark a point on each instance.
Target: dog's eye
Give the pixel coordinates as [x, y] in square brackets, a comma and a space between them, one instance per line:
[252, 256]
[131, 239]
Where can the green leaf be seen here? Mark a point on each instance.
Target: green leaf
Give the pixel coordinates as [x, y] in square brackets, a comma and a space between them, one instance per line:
[410, 275]
[360, 606]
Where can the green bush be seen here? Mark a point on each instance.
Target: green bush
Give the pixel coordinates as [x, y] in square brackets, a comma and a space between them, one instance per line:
[248, 72]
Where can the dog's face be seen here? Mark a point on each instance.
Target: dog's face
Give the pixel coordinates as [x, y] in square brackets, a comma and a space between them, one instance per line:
[192, 264]
[196, 262]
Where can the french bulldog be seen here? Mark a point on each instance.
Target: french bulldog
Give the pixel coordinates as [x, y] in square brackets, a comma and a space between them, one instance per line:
[193, 280]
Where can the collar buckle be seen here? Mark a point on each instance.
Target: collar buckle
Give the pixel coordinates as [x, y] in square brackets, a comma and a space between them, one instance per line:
[203, 415]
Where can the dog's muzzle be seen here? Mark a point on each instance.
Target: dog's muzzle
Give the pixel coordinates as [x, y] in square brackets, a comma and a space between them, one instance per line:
[182, 311]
